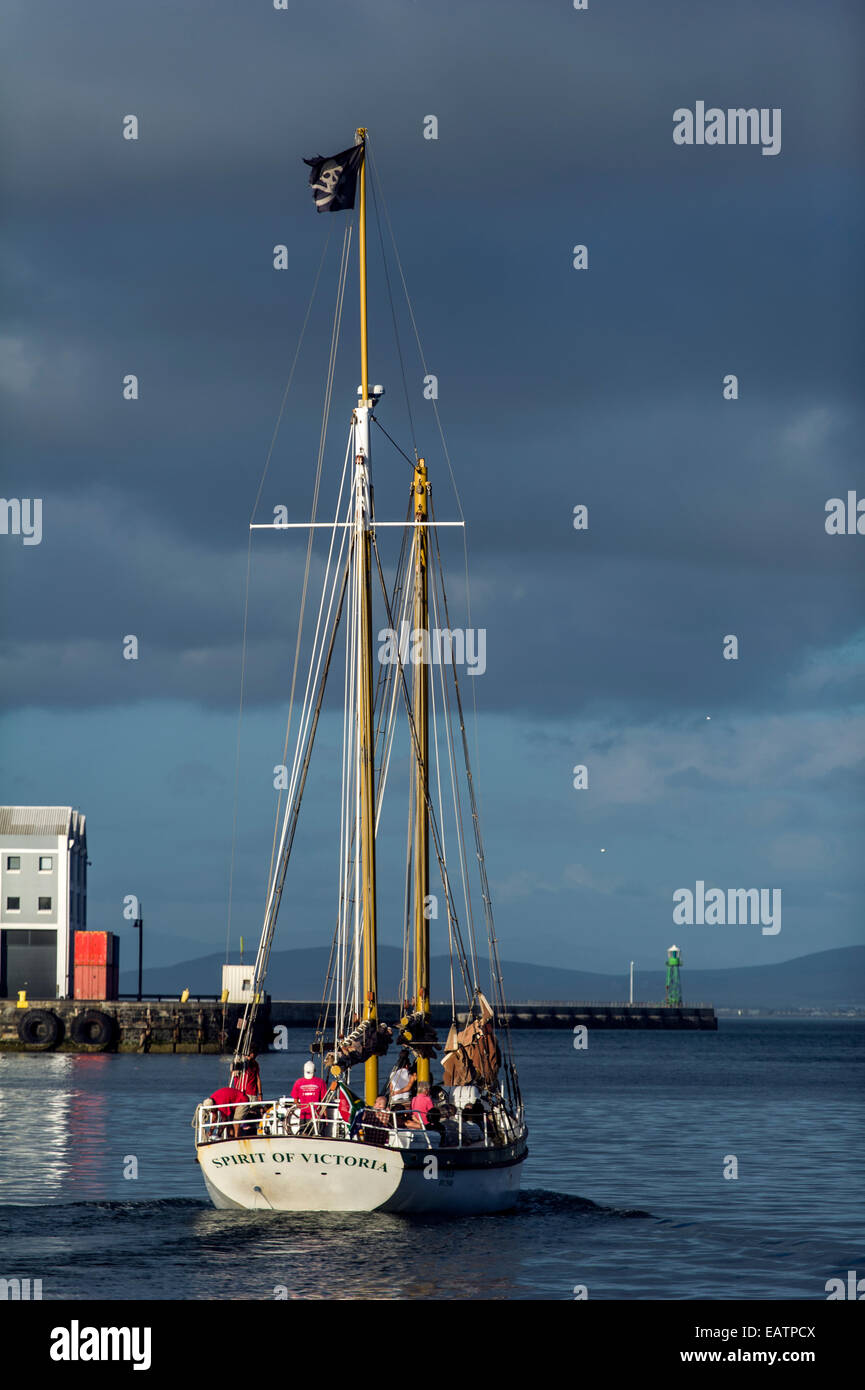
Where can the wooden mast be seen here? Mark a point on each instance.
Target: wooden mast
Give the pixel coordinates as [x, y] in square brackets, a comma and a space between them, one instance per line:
[365, 684]
[420, 712]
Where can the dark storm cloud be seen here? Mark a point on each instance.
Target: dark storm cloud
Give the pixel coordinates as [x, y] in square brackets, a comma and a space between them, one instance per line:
[557, 387]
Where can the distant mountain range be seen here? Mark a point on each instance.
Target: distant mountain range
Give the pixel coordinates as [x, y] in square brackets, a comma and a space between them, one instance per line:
[824, 980]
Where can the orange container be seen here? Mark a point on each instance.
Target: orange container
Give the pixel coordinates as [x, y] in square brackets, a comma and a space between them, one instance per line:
[95, 981]
[89, 981]
[94, 947]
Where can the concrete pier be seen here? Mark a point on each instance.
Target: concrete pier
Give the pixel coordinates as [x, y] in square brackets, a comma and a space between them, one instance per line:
[537, 1015]
[149, 1026]
[205, 1025]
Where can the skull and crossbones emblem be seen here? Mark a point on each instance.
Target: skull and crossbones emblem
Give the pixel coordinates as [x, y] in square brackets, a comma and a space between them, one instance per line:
[327, 181]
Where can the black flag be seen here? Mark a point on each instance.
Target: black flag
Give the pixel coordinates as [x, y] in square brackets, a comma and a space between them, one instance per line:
[334, 179]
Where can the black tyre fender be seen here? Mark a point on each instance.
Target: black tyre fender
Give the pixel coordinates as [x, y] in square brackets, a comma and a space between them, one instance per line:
[93, 1028]
[40, 1030]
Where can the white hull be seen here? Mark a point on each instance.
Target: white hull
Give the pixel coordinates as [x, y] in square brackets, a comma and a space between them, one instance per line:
[307, 1174]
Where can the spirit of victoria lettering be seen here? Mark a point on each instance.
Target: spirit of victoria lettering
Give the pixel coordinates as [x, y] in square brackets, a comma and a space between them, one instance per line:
[347, 1160]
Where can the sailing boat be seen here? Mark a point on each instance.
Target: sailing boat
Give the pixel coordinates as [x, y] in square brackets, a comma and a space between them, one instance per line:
[458, 1146]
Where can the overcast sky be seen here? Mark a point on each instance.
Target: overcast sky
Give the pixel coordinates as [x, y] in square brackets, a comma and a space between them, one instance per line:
[556, 387]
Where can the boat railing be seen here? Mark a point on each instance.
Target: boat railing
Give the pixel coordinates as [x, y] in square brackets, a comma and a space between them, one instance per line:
[283, 1118]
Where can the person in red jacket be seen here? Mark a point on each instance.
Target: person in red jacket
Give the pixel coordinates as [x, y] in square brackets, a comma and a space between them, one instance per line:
[231, 1107]
[246, 1076]
[308, 1090]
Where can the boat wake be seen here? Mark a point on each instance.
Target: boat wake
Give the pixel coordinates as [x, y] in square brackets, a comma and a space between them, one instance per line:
[542, 1203]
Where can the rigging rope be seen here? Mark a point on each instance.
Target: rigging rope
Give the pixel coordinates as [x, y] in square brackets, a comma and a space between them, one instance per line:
[245, 626]
[325, 416]
[439, 427]
[373, 181]
[433, 824]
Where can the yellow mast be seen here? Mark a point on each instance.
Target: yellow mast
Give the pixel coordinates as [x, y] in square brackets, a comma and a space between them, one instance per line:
[420, 711]
[366, 731]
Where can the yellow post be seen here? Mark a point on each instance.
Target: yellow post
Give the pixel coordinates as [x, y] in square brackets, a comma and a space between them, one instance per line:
[22, 1000]
[420, 710]
[360, 135]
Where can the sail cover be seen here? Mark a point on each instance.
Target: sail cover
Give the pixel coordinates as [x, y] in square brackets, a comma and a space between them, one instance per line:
[473, 1055]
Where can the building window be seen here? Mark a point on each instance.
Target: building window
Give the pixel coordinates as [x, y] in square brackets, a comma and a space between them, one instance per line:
[44, 904]
[46, 863]
[13, 904]
[13, 862]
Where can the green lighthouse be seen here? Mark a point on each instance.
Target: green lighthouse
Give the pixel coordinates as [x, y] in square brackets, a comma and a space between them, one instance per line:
[673, 993]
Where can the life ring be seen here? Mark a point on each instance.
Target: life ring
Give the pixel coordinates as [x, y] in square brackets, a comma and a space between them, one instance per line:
[92, 1028]
[40, 1030]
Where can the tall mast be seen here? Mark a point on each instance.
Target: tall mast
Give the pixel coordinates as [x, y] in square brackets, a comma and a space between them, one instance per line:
[420, 712]
[365, 730]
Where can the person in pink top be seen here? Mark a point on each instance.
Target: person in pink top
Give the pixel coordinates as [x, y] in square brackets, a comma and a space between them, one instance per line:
[308, 1090]
[422, 1104]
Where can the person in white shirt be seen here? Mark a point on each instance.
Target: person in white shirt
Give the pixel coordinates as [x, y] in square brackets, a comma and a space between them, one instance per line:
[400, 1083]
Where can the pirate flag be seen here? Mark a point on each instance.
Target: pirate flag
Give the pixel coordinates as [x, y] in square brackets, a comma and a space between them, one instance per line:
[334, 179]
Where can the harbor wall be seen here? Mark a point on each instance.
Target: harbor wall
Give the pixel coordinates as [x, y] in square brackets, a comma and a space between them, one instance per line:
[198, 1025]
[146, 1026]
[536, 1015]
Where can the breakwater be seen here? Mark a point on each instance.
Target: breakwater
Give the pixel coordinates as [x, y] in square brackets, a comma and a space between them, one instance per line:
[537, 1015]
[72, 1025]
[206, 1025]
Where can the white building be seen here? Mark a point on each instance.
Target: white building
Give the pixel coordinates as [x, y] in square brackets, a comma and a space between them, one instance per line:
[43, 898]
[237, 983]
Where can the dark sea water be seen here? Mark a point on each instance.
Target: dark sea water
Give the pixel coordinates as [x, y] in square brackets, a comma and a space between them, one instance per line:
[623, 1191]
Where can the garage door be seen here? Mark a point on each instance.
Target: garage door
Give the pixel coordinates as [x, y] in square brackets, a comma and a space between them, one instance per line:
[28, 960]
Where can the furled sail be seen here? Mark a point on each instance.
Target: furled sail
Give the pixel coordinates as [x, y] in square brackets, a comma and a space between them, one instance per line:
[473, 1055]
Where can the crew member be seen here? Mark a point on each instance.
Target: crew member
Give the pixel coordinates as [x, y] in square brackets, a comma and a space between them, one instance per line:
[400, 1083]
[308, 1090]
[246, 1075]
[231, 1107]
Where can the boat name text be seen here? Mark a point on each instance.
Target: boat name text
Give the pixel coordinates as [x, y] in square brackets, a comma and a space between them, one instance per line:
[347, 1160]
